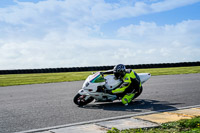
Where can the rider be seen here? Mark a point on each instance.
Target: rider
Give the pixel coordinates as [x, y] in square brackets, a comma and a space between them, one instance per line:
[131, 83]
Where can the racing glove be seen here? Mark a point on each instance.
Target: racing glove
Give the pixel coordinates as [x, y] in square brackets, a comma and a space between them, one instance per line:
[102, 73]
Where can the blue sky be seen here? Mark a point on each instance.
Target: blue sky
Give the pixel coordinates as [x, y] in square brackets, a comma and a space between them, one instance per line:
[174, 16]
[64, 33]
[6, 3]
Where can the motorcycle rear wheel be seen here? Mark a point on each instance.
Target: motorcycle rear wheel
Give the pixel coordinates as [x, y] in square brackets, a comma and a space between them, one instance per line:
[139, 93]
[80, 100]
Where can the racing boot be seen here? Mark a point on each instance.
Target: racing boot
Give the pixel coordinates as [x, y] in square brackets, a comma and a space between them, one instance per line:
[128, 98]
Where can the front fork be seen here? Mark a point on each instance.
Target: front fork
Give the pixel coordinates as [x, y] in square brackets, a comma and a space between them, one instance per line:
[84, 94]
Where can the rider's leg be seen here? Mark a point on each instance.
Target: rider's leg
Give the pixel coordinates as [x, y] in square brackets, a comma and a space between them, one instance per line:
[129, 94]
[128, 98]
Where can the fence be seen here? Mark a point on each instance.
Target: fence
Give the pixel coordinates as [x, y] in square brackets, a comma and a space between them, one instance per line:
[98, 68]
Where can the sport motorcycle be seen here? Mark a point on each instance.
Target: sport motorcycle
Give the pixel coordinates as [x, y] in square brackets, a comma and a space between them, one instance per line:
[96, 85]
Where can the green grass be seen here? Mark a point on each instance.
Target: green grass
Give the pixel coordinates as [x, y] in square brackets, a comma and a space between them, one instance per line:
[182, 126]
[21, 79]
[170, 71]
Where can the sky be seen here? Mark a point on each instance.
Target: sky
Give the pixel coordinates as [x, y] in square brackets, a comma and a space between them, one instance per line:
[77, 33]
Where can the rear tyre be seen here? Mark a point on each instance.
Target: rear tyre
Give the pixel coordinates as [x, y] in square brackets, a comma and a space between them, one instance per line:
[139, 93]
[80, 100]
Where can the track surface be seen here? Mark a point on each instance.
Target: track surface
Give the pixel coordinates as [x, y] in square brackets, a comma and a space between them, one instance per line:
[28, 107]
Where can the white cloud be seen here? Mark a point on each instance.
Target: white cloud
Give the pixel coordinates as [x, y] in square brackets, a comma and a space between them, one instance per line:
[66, 33]
[170, 4]
[179, 42]
[148, 30]
[84, 12]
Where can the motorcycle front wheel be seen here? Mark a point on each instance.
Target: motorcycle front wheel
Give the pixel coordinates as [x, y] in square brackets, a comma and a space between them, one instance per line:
[81, 101]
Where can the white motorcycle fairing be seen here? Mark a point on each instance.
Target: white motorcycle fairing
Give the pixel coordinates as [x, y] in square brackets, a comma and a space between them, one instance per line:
[90, 87]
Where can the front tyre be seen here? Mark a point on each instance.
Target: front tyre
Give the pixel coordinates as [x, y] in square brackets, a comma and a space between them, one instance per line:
[81, 100]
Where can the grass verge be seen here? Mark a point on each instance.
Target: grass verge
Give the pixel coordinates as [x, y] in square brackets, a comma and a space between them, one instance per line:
[21, 79]
[182, 126]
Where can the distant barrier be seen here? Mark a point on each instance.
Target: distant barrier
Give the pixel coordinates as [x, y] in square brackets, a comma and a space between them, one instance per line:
[98, 68]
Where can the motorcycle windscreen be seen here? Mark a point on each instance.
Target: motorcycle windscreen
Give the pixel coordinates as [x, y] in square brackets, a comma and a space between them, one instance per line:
[97, 78]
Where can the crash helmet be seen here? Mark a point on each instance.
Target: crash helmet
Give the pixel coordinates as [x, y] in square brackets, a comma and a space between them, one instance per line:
[119, 71]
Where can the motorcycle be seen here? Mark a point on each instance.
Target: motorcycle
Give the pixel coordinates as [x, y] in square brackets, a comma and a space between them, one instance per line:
[96, 85]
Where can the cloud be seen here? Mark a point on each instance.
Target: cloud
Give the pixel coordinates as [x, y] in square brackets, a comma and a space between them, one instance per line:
[185, 30]
[170, 4]
[84, 12]
[64, 33]
[178, 42]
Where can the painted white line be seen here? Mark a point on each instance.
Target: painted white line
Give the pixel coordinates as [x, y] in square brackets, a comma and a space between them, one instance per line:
[105, 119]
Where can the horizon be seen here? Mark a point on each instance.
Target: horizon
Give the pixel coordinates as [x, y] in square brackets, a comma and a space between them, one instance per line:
[113, 66]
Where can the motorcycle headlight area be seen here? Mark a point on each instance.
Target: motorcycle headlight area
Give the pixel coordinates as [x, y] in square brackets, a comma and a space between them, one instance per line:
[86, 84]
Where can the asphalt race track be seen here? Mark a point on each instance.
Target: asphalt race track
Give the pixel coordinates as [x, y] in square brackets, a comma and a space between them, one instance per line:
[28, 107]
